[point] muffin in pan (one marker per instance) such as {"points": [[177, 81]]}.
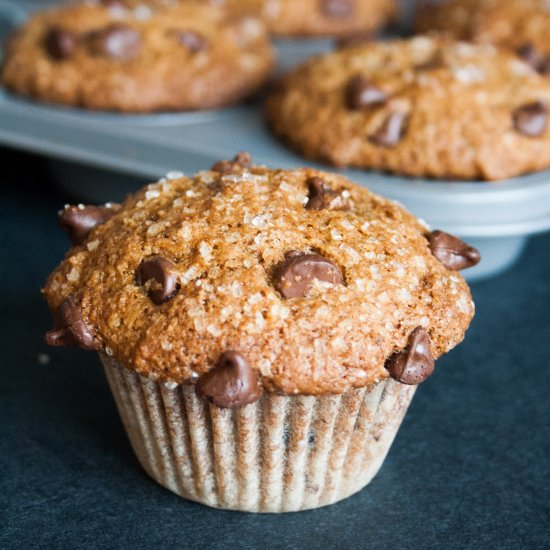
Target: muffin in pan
{"points": [[520, 25], [426, 106], [140, 58], [263, 331]]}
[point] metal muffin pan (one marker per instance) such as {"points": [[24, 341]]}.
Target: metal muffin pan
{"points": [[102, 156]]}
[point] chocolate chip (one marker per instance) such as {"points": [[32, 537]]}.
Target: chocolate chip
{"points": [[191, 40], [316, 192], [70, 329], [532, 57], [116, 41], [294, 277], [59, 43], [391, 131], [231, 383], [321, 196], [241, 160], [453, 253], [529, 54], [78, 221], [159, 275], [413, 365], [362, 93], [337, 9], [531, 119]]}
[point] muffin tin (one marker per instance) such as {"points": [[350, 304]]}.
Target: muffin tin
{"points": [[102, 156]]}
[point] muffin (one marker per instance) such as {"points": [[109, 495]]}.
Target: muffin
{"points": [[316, 17], [425, 106], [520, 25], [263, 331], [141, 58]]}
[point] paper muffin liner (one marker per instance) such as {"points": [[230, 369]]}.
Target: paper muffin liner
{"points": [[280, 454]]}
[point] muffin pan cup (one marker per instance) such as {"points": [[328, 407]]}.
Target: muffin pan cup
{"points": [[280, 454]]}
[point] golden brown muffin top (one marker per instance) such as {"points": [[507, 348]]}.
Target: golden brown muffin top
{"points": [[310, 282], [426, 106], [138, 57]]}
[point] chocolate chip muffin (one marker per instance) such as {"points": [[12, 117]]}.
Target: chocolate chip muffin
{"points": [[263, 331], [316, 17], [137, 58], [520, 25], [420, 107]]}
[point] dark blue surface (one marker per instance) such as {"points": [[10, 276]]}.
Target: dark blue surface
{"points": [[470, 467]]}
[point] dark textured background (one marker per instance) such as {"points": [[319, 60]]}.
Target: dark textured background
{"points": [[470, 467]]}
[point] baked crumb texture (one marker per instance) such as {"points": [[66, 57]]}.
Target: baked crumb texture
{"points": [[137, 57], [226, 292], [427, 106]]}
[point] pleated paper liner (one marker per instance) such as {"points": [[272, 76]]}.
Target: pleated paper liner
{"points": [[280, 454]]}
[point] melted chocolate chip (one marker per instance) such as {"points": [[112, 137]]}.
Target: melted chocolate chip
{"points": [[231, 383], [531, 119], [362, 93], [78, 221], [160, 276], [534, 58], [337, 9], [321, 196], [293, 279], [453, 253], [70, 329], [416, 363], [316, 192], [529, 54], [241, 160], [59, 43], [191, 40], [391, 131], [116, 41]]}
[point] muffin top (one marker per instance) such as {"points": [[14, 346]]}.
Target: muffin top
{"points": [[518, 24], [138, 57], [426, 106], [307, 281]]}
